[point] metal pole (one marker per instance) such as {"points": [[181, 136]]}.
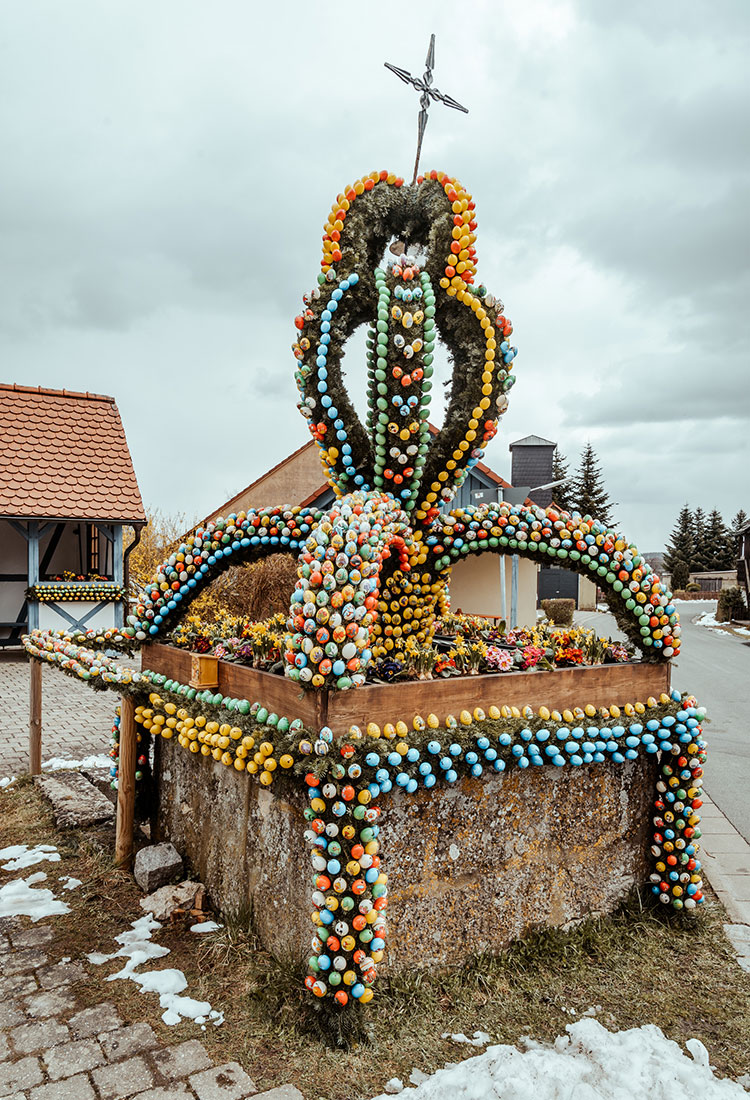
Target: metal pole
{"points": [[514, 593], [503, 602]]}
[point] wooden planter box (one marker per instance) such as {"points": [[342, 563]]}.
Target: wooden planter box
{"points": [[601, 685]]}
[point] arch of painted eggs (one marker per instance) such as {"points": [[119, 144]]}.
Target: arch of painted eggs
{"points": [[374, 569]]}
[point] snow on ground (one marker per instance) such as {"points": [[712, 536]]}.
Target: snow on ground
{"points": [[59, 763], [480, 1038], [17, 898], [588, 1063], [21, 856], [138, 948], [206, 926], [7, 781]]}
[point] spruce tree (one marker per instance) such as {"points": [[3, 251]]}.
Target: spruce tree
{"points": [[680, 577], [588, 495], [561, 494], [738, 522], [681, 545], [718, 545], [701, 555]]}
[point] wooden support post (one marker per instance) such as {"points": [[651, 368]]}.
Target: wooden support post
{"points": [[126, 784], [35, 717]]}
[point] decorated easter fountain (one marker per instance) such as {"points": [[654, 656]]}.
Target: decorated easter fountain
{"points": [[475, 807]]}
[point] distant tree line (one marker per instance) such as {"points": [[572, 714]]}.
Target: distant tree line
{"points": [[701, 543], [584, 492]]}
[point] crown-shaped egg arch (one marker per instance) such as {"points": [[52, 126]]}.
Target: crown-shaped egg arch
{"points": [[406, 305], [373, 570]]}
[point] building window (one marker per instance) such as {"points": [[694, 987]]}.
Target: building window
{"points": [[92, 549]]}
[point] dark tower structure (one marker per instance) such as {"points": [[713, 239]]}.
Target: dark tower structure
{"points": [[531, 464]]}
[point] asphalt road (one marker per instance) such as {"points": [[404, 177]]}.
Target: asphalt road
{"points": [[715, 667]]}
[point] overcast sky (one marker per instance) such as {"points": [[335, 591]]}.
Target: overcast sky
{"points": [[167, 167]]}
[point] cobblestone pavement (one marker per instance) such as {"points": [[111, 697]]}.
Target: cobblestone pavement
{"points": [[53, 1049], [76, 721]]}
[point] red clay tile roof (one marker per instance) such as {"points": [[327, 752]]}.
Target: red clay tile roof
{"points": [[63, 455]]}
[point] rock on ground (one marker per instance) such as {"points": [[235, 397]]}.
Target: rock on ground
{"points": [[157, 865]]}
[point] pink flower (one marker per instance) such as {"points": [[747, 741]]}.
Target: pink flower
{"points": [[500, 659]]}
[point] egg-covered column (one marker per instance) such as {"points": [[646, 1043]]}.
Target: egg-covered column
{"points": [[676, 878], [349, 888]]}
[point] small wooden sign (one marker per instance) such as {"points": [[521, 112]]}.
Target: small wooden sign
{"points": [[204, 671]]}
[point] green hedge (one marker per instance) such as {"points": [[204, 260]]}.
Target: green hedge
{"points": [[559, 612]]}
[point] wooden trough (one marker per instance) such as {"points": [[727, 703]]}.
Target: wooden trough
{"points": [[599, 685]]}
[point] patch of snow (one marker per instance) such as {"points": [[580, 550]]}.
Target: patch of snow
{"points": [[21, 856], [737, 630], [70, 883], [18, 899], [206, 926], [137, 948], [394, 1086], [480, 1039], [59, 763], [7, 781], [588, 1063], [454, 852], [707, 619]]}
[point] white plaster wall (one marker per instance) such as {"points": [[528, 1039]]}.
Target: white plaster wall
{"points": [[475, 587], [586, 594], [102, 620]]}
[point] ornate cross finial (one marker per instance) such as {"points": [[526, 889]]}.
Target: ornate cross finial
{"points": [[424, 84]]}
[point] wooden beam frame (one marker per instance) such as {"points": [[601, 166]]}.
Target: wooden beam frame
{"points": [[35, 717], [126, 783]]}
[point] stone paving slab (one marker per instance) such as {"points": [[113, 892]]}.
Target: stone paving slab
{"points": [[74, 800], [76, 721], [52, 1048]]}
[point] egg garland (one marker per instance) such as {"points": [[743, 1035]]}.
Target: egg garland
{"points": [[373, 575], [64, 592]]}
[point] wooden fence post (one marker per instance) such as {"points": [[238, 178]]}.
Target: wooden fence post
{"points": [[35, 717], [126, 783]]}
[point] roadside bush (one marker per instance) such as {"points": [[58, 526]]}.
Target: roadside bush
{"points": [[559, 612], [731, 605], [692, 587]]}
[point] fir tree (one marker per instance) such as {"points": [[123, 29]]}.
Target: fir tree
{"points": [[561, 494], [681, 545], [701, 555], [587, 492], [717, 542], [681, 576], [738, 522]]}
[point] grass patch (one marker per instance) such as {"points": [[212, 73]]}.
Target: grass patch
{"points": [[639, 965]]}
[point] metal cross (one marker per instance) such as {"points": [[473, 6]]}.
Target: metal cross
{"points": [[424, 85]]}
